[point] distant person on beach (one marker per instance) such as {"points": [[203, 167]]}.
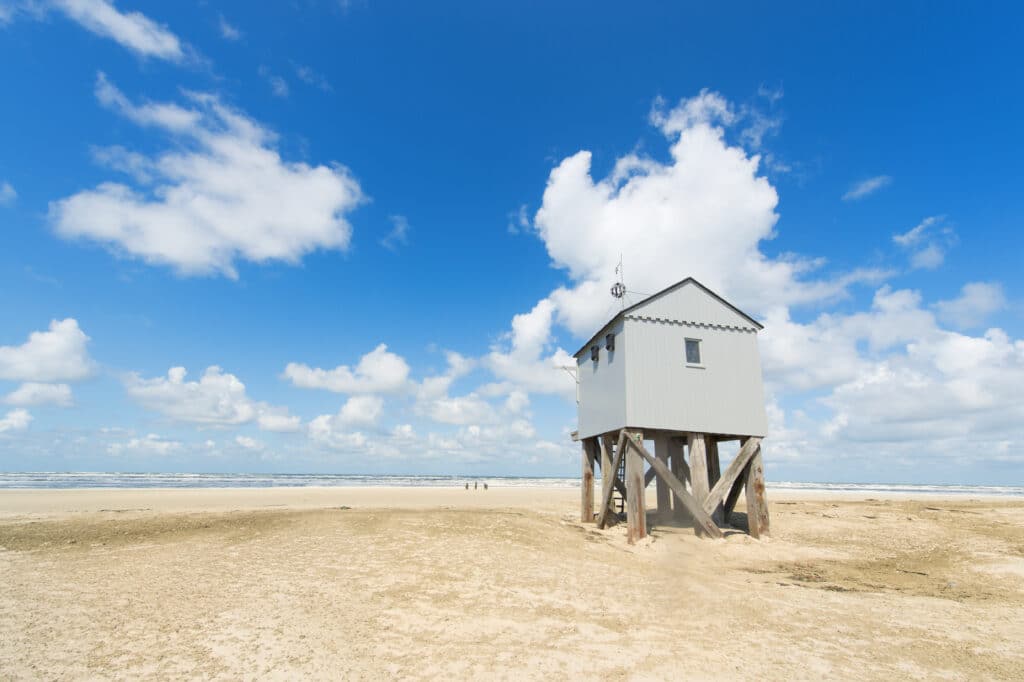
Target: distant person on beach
{"points": [[467, 485], [485, 486], [475, 484]]}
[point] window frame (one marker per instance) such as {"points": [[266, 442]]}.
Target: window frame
{"points": [[700, 353]]}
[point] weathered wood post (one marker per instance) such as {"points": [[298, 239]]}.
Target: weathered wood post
{"points": [[757, 500], [587, 482], [608, 474], [636, 508], [661, 451], [698, 466], [680, 470], [714, 473]]}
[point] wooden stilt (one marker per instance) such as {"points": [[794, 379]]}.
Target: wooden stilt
{"points": [[757, 500], [664, 494], [636, 509], [680, 470], [607, 473], [698, 467], [587, 481], [742, 459], [714, 473]]}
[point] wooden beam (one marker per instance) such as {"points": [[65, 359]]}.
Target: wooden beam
{"points": [[607, 472], [664, 494], [587, 481], [714, 473], [602, 517], [636, 509], [757, 501], [680, 470], [750, 446], [701, 519], [734, 494], [698, 467]]}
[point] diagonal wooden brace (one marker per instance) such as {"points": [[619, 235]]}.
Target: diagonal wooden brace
{"points": [[700, 517], [606, 500], [737, 466]]}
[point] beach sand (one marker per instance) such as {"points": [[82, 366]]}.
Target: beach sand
{"points": [[505, 583]]}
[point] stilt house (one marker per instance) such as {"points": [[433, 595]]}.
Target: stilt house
{"points": [[680, 369]]}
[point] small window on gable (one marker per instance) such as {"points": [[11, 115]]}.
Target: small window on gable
{"points": [[595, 353], [609, 342], [693, 352]]}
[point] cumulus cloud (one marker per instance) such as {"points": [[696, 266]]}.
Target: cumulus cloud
{"points": [[863, 188], [702, 213], [132, 30], [249, 443], [361, 410], [7, 194], [222, 193], [151, 444], [15, 420], [56, 355], [976, 302], [379, 371], [34, 393], [217, 399]]}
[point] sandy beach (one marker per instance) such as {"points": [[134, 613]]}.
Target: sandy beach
{"points": [[365, 583]]}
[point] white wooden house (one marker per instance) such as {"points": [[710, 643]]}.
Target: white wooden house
{"points": [[680, 368]]}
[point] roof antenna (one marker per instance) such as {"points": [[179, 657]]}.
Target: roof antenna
{"points": [[619, 288]]}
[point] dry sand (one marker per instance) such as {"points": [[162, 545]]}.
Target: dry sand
{"points": [[505, 583]]}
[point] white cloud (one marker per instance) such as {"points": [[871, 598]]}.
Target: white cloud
{"points": [[217, 399], [519, 220], [15, 420], [58, 354], [228, 30], [221, 193], [976, 302], [7, 194], [379, 371], [399, 234], [35, 393], [311, 77], [249, 443], [863, 188], [132, 30], [702, 213], [151, 444], [278, 85], [361, 410], [927, 242]]}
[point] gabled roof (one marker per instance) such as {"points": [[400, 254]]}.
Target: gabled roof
{"points": [[667, 290]]}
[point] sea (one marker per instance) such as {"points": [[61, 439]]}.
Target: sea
{"points": [[85, 479]]}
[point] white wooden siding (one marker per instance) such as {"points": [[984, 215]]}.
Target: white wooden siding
{"points": [[602, 386]]}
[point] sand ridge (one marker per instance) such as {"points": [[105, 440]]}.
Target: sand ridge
{"points": [[365, 586]]}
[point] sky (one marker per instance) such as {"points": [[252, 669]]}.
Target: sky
{"points": [[362, 237]]}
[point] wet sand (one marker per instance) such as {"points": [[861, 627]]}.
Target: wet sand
{"points": [[505, 583]]}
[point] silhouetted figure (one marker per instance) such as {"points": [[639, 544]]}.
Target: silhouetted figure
{"points": [[467, 485], [475, 484], [485, 486]]}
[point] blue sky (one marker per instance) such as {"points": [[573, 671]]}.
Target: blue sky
{"points": [[276, 190]]}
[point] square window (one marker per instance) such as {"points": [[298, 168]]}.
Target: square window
{"points": [[693, 351], [595, 352], [609, 342]]}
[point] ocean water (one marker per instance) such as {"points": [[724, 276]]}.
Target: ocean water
{"points": [[82, 479]]}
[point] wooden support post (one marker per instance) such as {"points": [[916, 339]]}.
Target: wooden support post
{"points": [[698, 467], [664, 494], [702, 522], [587, 481], [636, 509], [714, 473], [607, 473], [680, 470], [736, 467], [757, 501], [606, 502]]}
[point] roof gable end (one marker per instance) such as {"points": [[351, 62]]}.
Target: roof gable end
{"points": [[691, 302]]}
